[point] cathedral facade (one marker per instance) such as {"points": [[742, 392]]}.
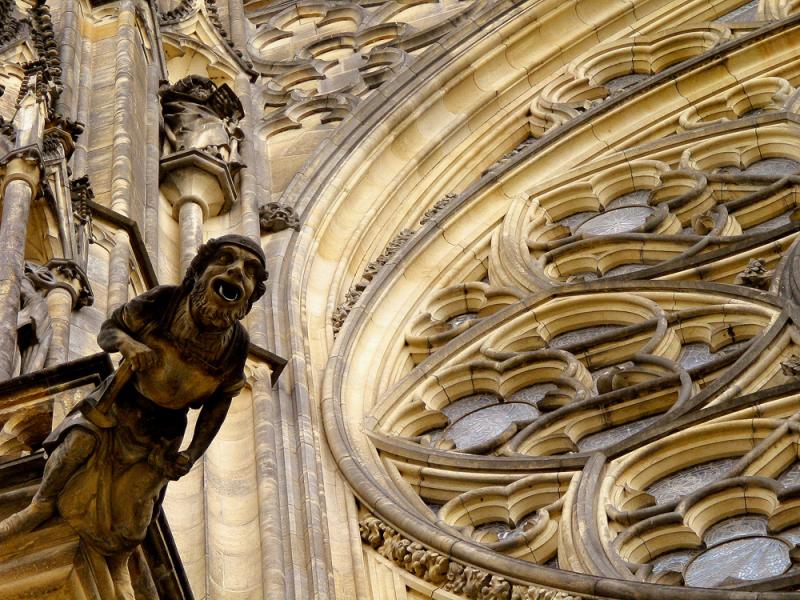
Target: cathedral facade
{"points": [[529, 325]]}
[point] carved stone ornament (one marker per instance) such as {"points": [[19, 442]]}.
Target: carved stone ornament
{"points": [[443, 571], [183, 347], [199, 115], [34, 327], [8, 135], [9, 25], [438, 207], [791, 366], [755, 275], [274, 217], [371, 270]]}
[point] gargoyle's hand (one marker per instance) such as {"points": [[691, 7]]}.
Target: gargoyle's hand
{"points": [[170, 464], [142, 357]]}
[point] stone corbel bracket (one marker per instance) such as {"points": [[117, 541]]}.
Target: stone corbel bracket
{"points": [[264, 365], [59, 140], [197, 176], [22, 164]]}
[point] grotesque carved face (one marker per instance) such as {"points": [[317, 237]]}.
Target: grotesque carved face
{"points": [[221, 295]]}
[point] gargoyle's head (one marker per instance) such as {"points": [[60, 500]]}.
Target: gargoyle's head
{"points": [[224, 280]]}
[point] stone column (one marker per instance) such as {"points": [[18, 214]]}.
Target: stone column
{"points": [[121, 169], [70, 58], [119, 273], [266, 423], [190, 222], [59, 306], [190, 533], [21, 184], [256, 320]]}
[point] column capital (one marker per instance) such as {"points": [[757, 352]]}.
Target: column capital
{"points": [[23, 164], [64, 275], [192, 174]]}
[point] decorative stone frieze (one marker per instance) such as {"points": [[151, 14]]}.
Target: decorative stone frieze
{"points": [[370, 271], [451, 575], [438, 207]]}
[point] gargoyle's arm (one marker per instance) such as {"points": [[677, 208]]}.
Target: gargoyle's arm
{"points": [[208, 423], [113, 338]]}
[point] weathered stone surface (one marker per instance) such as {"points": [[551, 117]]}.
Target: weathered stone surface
{"points": [[111, 458]]}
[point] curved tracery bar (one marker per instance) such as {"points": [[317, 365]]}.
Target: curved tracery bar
{"points": [[594, 363]]}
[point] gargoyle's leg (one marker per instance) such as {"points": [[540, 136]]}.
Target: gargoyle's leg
{"points": [[62, 463], [118, 567]]}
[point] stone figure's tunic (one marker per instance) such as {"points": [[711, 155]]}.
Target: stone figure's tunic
{"points": [[111, 499]]}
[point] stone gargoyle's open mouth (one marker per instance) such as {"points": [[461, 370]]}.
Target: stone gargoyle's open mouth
{"points": [[228, 291]]}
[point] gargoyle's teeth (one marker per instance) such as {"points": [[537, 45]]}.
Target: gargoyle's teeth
{"points": [[228, 292]]}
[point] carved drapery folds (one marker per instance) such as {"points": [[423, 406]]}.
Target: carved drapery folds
{"points": [[33, 325], [200, 115]]}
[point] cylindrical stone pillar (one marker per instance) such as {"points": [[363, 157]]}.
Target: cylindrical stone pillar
{"points": [[119, 272], [59, 306], [17, 198], [189, 527], [70, 58], [190, 221], [256, 320], [266, 423]]}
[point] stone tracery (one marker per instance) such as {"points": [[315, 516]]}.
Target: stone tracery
{"points": [[634, 301]]}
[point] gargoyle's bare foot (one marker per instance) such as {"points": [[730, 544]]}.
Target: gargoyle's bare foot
{"points": [[36, 513]]}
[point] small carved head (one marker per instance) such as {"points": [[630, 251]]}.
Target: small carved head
{"points": [[224, 280]]}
